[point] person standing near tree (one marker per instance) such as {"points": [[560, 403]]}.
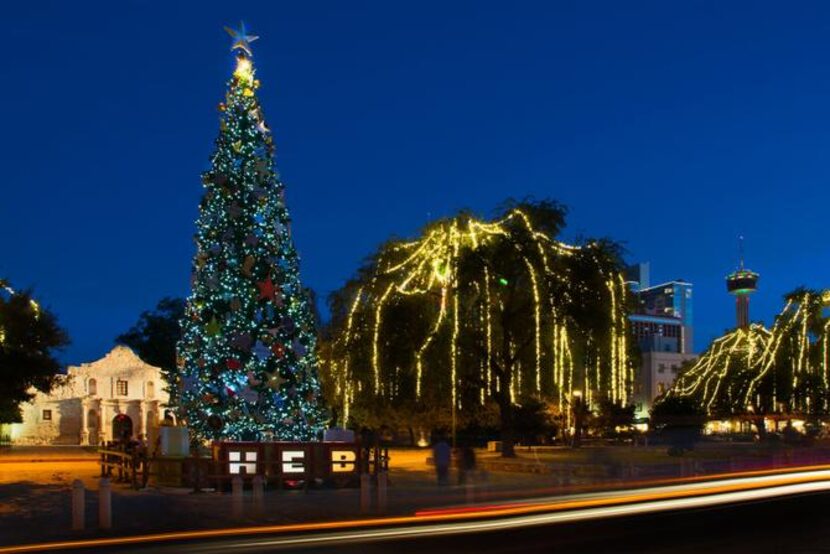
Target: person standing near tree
{"points": [[441, 455], [466, 464]]}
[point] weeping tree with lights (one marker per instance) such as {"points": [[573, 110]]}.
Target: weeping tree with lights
{"points": [[754, 371], [247, 355], [473, 318]]}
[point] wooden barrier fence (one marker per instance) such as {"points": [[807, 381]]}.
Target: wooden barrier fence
{"points": [[125, 464]]}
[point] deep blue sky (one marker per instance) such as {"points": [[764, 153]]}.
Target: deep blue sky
{"points": [[671, 126]]}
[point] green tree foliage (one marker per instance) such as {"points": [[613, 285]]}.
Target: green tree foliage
{"points": [[679, 421], [154, 338], [29, 338], [535, 423], [611, 416], [502, 306]]}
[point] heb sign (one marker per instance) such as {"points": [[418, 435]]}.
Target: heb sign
{"points": [[288, 460]]}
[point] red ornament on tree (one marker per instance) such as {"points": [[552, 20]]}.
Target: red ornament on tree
{"points": [[278, 349], [267, 289]]}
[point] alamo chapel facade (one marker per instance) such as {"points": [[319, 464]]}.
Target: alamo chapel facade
{"points": [[119, 395]]}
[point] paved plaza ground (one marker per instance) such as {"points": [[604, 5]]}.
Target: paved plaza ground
{"points": [[35, 487]]}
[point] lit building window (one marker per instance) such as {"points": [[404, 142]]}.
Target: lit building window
{"points": [[121, 388]]}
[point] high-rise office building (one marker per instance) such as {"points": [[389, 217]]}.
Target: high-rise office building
{"points": [[662, 325]]}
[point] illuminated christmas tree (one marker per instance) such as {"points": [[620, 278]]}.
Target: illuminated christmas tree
{"points": [[247, 354]]}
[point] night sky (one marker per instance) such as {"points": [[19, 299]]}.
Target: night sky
{"points": [[670, 126]]}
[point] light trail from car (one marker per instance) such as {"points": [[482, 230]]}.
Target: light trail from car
{"points": [[685, 494]]}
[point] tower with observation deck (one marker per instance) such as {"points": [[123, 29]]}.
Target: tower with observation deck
{"points": [[741, 284]]}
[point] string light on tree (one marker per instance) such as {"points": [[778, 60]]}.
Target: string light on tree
{"points": [[457, 333], [764, 369], [248, 351], [5, 287]]}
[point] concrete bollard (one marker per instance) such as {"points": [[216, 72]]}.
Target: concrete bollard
{"points": [[78, 505], [383, 481], [196, 473], [236, 495], [365, 492], [258, 486], [105, 504]]}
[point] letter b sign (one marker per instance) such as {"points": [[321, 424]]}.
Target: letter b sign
{"points": [[343, 461]]}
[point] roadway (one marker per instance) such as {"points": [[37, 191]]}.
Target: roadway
{"points": [[767, 511], [790, 525]]}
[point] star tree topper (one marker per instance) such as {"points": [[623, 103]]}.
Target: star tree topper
{"points": [[241, 39]]}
